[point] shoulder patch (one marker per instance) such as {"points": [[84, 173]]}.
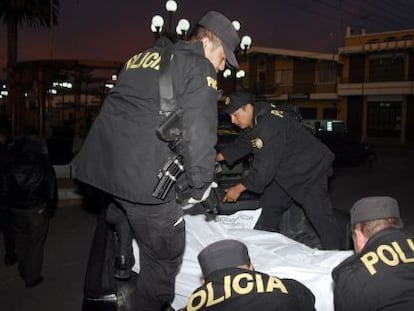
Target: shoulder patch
{"points": [[257, 143], [277, 113]]}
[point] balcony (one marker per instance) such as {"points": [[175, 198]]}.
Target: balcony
{"points": [[376, 88]]}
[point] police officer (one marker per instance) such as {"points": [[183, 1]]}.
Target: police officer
{"points": [[380, 275], [31, 196], [122, 154], [289, 165], [231, 283]]}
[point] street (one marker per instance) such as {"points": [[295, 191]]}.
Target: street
{"points": [[71, 232]]}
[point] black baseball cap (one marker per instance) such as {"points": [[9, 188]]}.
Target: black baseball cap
{"points": [[223, 254], [236, 100], [372, 208], [222, 27]]}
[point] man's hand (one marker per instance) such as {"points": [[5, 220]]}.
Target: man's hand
{"points": [[233, 193], [219, 157], [191, 201]]}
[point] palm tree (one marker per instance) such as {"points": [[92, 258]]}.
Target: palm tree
{"points": [[14, 13], [31, 13]]}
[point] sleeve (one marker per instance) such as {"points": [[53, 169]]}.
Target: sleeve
{"points": [[306, 297], [238, 149], [199, 126], [348, 296], [266, 159]]}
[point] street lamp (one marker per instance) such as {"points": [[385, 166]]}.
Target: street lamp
{"points": [[245, 44], [157, 23], [171, 7], [183, 27]]}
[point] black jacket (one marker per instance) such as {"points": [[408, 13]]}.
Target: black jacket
{"points": [[30, 182], [381, 277], [283, 151], [122, 154], [235, 289]]}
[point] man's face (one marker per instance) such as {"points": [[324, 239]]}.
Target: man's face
{"points": [[243, 116], [215, 54]]}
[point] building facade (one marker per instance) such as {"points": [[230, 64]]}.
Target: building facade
{"points": [[377, 82], [307, 80]]}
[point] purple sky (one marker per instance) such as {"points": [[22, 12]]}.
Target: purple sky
{"points": [[113, 30]]}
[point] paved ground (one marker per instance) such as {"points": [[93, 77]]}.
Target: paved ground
{"points": [[71, 231]]}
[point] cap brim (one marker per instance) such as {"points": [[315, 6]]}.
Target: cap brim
{"points": [[231, 58]]}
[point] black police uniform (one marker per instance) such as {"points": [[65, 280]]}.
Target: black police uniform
{"points": [[289, 163], [5, 160], [122, 155], [381, 277], [244, 290], [31, 196]]}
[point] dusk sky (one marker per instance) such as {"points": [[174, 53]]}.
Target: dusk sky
{"points": [[114, 30]]}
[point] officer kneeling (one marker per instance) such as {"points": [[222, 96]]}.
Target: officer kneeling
{"points": [[380, 276], [231, 283]]}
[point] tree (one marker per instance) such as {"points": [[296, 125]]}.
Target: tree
{"points": [[29, 13]]}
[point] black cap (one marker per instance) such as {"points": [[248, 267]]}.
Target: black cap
{"points": [[372, 208], [223, 254], [236, 100], [222, 27]]}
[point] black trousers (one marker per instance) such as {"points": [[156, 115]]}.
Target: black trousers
{"points": [[116, 216], [5, 229], [316, 205], [159, 231], [29, 229]]}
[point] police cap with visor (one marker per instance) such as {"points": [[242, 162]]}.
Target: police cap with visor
{"points": [[222, 27], [223, 254], [236, 100], [372, 208]]}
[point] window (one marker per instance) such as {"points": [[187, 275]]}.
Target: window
{"points": [[284, 77], [386, 67], [384, 119], [326, 73]]}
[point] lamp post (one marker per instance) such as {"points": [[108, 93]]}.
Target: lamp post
{"points": [[171, 7], [157, 23], [245, 44]]}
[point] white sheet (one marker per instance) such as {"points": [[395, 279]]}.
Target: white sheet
{"points": [[270, 252]]}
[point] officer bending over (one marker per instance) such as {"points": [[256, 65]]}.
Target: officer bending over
{"points": [[289, 165], [380, 276], [231, 283]]}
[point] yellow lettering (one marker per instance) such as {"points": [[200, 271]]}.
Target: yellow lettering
{"points": [[210, 296], [211, 82], [382, 250], [369, 260], [259, 283], [401, 254], [238, 288], [411, 244], [275, 283], [131, 62], [150, 59], [202, 295], [227, 286], [156, 64]]}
